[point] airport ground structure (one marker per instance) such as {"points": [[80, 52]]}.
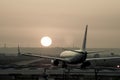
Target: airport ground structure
{"points": [[59, 74]]}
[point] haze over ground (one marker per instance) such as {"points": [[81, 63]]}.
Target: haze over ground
{"points": [[24, 22]]}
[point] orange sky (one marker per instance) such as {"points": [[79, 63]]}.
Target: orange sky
{"points": [[26, 21]]}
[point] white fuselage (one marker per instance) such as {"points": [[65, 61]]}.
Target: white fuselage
{"points": [[73, 57], [68, 54]]}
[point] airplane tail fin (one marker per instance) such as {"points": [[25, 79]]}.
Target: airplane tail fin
{"points": [[19, 53], [83, 49], [84, 40]]}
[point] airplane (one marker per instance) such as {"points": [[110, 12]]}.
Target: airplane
{"points": [[74, 56]]}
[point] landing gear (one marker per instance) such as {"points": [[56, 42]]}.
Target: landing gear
{"points": [[85, 64], [64, 65]]}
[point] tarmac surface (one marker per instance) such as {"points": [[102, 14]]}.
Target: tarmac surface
{"points": [[59, 73]]}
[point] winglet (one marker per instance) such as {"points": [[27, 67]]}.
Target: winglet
{"points": [[84, 40], [19, 53]]}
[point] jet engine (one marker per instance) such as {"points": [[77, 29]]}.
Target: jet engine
{"points": [[55, 62]]}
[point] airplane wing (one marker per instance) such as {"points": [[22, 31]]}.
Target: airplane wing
{"points": [[90, 52], [47, 57], [104, 58], [26, 62]]}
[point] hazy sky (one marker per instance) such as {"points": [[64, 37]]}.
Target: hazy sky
{"points": [[26, 21]]}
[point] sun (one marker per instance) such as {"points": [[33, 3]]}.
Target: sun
{"points": [[46, 41]]}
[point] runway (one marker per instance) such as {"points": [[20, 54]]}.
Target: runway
{"points": [[59, 74]]}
